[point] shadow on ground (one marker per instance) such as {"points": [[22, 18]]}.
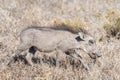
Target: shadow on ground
{"points": [[50, 61]]}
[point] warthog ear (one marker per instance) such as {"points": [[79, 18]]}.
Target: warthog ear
{"points": [[81, 35]]}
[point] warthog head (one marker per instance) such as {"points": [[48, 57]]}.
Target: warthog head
{"points": [[89, 45], [87, 38]]}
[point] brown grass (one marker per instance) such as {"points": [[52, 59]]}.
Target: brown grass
{"points": [[112, 27], [73, 24], [15, 15]]}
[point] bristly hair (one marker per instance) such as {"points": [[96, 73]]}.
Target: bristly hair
{"points": [[59, 27], [69, 28]]}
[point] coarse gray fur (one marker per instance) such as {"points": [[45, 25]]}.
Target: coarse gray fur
{"points": [[46, 39]]}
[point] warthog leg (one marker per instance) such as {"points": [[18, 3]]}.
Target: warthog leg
{"points": [[29, 55], [74, 54], [60, 56], [92, 53], [22, 47]]}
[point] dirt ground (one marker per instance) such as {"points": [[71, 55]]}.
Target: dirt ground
{"points": [[15, 15]]}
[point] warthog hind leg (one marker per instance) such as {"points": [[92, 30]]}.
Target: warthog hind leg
{"points": [[29, 55], [22, 47]]}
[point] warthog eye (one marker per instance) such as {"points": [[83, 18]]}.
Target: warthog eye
{"points": [[79, 39]]}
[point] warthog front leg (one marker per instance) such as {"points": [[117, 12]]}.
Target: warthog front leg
{"points": [[22, 47], [92, 53], [60, 57], [74, 54]]}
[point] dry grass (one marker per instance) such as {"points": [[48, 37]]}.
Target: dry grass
{"points": [[16, 15], [73, 24], [112, 26]]}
